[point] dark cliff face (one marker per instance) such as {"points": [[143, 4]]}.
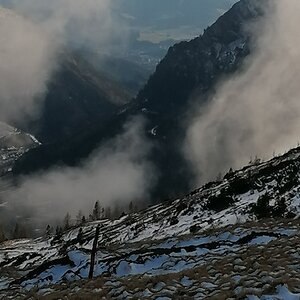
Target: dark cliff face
{"points": [[199, 63], [189, 68], [78, 98], [190, 71]]}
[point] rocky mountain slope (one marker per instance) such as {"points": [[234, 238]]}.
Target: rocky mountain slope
{"points": [[233, 239], [78, 98], [13, 144], [197, 64], [190, 68]]}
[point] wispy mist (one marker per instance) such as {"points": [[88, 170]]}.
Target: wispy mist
{"points": [[80, 22], [32, 34], [256, 111], [27, 59], [117, 173]]}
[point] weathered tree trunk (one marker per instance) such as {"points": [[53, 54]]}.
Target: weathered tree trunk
{"points": [[94, 252]]}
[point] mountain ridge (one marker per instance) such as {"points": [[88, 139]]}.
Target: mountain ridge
{"points": [[77, 99], [165, 100], [249, 217]]}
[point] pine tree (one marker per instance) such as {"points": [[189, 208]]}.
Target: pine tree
{"points": [[96, 211], [58, 231], [108, 213], [58, 234], [116, 212], [262, 208], [80, 236], [49, 231], [67, 222], [130, 207], [2, 235], [219, 177], [135, 208], [79, 218]]}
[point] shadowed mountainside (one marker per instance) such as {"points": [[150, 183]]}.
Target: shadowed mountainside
{"points": [[189, 69]]}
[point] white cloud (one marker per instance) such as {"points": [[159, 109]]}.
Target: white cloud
{"points": [[27, 59], [117, 173], [256, 111]]}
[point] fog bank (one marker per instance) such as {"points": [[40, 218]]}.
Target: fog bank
{"points": [[255, 112], [117, 173]]}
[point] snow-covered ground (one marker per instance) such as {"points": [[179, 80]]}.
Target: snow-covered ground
{"points": [[207, 245], [240, 260], [282, 292], [13, 144]]}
